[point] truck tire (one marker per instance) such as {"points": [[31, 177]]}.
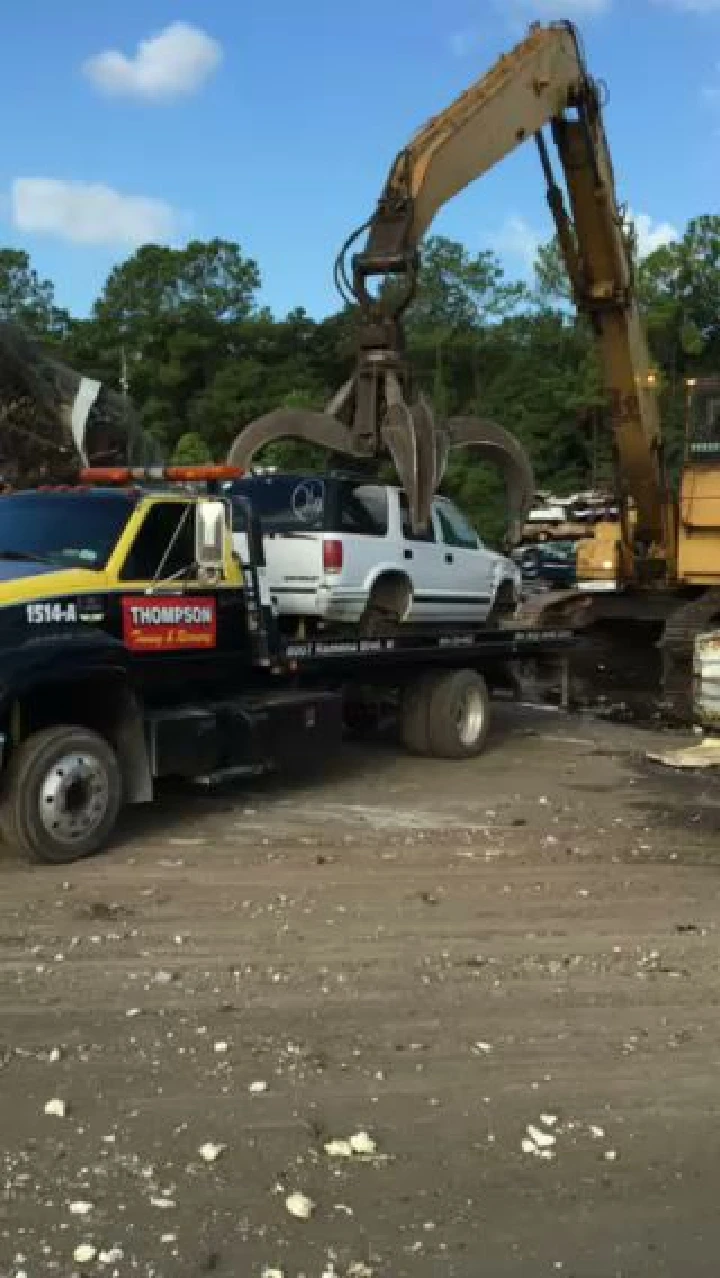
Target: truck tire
{"points": [[415, 713], [62, 794], [458, 718]]}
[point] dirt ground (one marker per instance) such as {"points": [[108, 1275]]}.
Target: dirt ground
{"points": [[504, 972]]}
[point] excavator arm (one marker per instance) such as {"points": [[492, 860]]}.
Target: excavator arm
{"points": [[527, 88], [543, 81]]}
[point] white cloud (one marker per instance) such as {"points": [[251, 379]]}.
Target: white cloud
{"points": [[175, 62], [652, 235], [519, 240], [88, 213]]}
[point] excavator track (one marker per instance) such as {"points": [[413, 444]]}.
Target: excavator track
{"points": [[677, 643]]}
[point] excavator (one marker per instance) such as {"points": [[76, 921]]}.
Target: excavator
{"points": [[659, 564]]}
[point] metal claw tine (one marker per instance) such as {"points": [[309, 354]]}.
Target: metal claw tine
{"points": [[399, 437], [498, 446], [291, 423]]}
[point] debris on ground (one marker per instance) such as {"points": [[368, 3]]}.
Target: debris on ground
{"points": [[210, 1151], [84, 1254], [80, 1208], [56, 1108], [706, 754], [300, 1206]]}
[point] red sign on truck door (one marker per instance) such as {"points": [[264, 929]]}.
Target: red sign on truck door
{"points": [[169, 623]]}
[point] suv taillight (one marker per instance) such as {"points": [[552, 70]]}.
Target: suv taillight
{"points": [[332, 555]]}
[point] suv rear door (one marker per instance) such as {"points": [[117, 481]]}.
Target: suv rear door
{"points": [[422, 558], [468, 565]]}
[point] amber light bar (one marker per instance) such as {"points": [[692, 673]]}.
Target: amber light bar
{"points": [[174, 474]]}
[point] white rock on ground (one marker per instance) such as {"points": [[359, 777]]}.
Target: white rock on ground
{"points": [[300, 1206], [542, 1139], [362, 1143], [112, 1256], [84, 1254], [80, 1208], [56, 1108], [339, 1149], [211, 1151]]}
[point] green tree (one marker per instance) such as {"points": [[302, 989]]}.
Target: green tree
{"points": [[552, 283], [26, 298], [191, 449], [457, 290], [172, 318], [212, 278]]}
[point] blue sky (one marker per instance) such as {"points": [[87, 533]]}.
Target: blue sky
{"points": [[276, 127]]}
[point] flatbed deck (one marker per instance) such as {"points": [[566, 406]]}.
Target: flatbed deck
{"points": [[473, 648]]}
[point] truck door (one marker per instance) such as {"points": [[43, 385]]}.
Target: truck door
{"points": [[164, 606]]}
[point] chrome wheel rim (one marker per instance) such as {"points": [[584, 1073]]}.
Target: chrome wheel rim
{"points": [[73, 798], [470, 716]]}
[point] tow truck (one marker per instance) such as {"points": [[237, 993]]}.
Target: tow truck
{"points": [[134, 646]]}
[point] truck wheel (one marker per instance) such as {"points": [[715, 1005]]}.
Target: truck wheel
{"points": [[62, 795], [415, 713], [458, 715]]}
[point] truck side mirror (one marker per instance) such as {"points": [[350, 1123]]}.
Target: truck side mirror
{"points": [[210, 526]]}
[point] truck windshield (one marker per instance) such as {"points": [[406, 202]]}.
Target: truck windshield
{"points": [[67, 530]]}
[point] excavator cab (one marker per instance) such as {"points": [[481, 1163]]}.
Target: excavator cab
{"points": [[699, 531], [702, 419]]}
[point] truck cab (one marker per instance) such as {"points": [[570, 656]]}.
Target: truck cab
{"points": [[132, 646], [152, 570]]}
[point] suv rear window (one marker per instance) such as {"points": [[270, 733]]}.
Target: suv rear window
{"points": [[284, 503], [311, 503], [363, 509]]}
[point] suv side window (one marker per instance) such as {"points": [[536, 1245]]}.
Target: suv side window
{"points": [[363, 509], [456, 531], [152, 541], [428, 534]]}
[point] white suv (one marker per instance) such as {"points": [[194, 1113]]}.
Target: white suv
{"points": [[341, 549]]}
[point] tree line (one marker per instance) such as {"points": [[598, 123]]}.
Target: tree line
{"points": [[183, 331]]}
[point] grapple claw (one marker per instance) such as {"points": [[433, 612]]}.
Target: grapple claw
{"points": [[291, 423], [496, 445], [419, 449], [376, 419]]}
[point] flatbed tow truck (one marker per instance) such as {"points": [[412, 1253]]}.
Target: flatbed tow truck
{"points": [[134, 646]]}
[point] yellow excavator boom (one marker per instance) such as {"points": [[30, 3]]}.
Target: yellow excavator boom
{"points": [[526, 88]]}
